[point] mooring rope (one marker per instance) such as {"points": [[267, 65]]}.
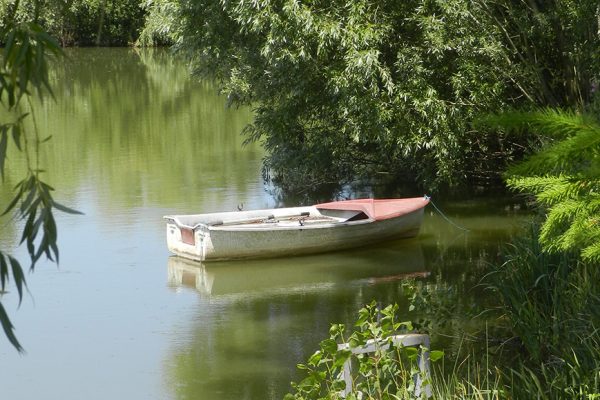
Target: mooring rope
{"points": [[444, 215]]}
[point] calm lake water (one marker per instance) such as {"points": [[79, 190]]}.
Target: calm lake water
{"points": [[134, 138]]}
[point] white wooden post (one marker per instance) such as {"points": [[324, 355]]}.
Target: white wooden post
{"points": [[408, 340]]}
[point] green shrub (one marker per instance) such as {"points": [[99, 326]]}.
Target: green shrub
{"points": [[564, 177], [390, 372]]}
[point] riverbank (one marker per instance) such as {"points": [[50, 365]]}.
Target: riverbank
{"points": [[535, 337]]}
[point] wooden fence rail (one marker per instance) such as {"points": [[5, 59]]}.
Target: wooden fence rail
{"points": [[420, 341]]}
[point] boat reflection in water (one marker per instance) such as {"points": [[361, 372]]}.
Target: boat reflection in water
{"points": [[397, 260]]}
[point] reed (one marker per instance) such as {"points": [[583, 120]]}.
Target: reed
{"points": [[550, 306], [549, 302], [545, 324]]}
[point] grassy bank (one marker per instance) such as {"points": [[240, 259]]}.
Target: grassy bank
{"points": [[537, 339], [549, 307], [543, 340]]}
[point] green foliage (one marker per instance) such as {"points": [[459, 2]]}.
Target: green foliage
{"points": [[347, 88], [24, 69], [361, 88], [553, 45], [550, 303], [387, 373], [160, 26], [550, 300], [104, 22], [79, 22], [541, 328], [564, 176]]}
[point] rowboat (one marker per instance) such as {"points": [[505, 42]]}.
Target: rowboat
{"points": [[289, 231]]}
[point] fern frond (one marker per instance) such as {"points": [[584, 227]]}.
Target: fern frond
{"points": [[568, 156], [565, 189], [561, 123], [577, 234], [536, 184], [549, 122], [550, 190], [557, 221], [572, 224], [592, 252]]}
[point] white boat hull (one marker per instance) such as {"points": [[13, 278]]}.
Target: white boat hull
{"points": [[204, 238]]}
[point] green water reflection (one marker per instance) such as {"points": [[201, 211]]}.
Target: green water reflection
{"points": [[134, 138], [134, 125]]}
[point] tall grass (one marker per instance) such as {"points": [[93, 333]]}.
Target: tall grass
{"points": [[471, 378], [550, 303], [549, 309], [568, 379], [478, 376], [548, 313]]}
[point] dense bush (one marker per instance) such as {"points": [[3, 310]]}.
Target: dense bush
{"points": [[564, 176], [80, 22]]}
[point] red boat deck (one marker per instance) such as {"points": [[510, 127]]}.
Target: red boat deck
{"points": [[378, 209]]}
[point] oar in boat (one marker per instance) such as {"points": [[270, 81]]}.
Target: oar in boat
{"points": [[258, 219]]}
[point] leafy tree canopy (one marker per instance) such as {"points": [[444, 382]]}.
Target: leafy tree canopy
{"points": [[360, 88]]}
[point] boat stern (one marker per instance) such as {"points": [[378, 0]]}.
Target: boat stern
{"points": [[187, 241]]}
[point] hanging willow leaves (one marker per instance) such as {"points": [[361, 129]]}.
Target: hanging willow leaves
{"points": [[361, 88], [8, 328], [24, 72]]}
